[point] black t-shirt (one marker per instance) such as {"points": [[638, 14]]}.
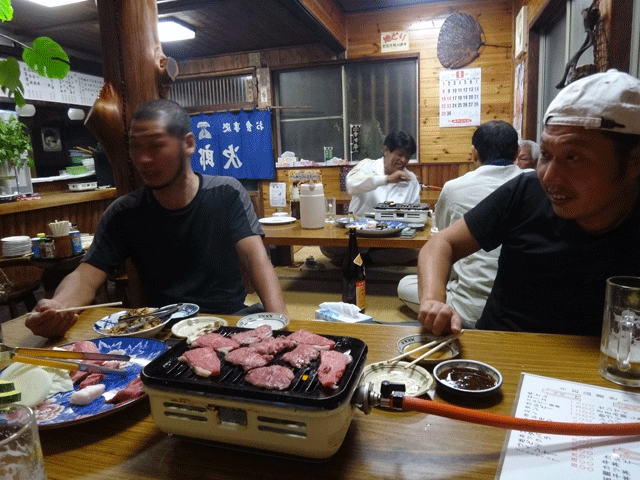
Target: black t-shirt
{"points": [[185, 255], [551, 274]]}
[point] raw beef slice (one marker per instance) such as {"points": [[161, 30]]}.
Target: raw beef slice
{"points": [[308, 338], [332, 366], [216, 341], [274, 377], [203, 360], [253, 336], [302, 355]]}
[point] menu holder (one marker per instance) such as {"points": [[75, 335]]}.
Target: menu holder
{"points": [[529, 456]]}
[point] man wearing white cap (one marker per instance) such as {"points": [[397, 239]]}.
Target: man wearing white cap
{"points": [[564, 229]]}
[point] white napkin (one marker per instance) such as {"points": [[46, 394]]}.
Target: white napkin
{"points": [[346, 309]]}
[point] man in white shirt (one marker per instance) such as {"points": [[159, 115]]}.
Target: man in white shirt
{"points": [[386, 179], [494, 149]]}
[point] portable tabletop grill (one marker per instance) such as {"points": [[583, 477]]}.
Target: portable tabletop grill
{"points": [[306, 420], [404, 212]]}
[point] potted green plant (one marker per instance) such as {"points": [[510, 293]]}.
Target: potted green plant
{"points": [[15, 145]]}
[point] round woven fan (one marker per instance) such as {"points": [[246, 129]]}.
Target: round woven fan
{"points": [[459, 40]]}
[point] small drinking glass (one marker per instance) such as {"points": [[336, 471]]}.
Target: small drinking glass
{"points": [[20, 450], [329, 209]]}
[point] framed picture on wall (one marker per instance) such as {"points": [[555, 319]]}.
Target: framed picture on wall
{"points": [[51, 140]]}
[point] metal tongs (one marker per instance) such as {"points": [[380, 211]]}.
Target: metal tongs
{"points": [[49, 358], [149, 317]]}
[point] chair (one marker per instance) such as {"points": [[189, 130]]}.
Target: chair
{"points": [[14, 292], [20, 293]]}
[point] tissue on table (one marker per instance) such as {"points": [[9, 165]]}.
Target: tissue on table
{"points": [[340, 312]]}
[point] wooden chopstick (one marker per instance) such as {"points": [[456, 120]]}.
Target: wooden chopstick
{"points": [[421, 347], [435, 349], [85, 307]]}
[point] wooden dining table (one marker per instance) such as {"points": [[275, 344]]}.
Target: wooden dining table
{"points": [[334, 235], [128, 445]]}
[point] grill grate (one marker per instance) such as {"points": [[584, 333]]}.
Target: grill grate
{"points": [[168, 373]]}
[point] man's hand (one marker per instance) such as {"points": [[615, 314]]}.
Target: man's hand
{"points": [[398, 176], [439, 318], [47, 322]]}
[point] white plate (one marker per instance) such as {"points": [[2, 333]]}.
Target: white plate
{"points": [[109, 321], [276, 220], [191, 326], [276, 321], [411, 342], [415, 378]]}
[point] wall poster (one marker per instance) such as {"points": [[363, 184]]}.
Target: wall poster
{"points": [[460, 97]]}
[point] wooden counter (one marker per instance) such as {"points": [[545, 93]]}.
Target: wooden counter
{"points": [[30, 217], [56, 199]]}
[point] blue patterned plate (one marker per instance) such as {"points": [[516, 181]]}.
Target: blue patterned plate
{"points": [[103, 325], [55, 411]]}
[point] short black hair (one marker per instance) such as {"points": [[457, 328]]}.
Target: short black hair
{"points": [[624, 145], [400, 141], [175, 116], [495, 140]]}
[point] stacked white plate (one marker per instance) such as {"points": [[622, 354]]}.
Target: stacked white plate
{"points": [[16, 246]]}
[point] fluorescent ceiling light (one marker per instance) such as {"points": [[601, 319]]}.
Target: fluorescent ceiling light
{"points": [[55, 3], [171, 31]]}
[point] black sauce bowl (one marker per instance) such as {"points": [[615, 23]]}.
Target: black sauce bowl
{"points": [[479, 379]]}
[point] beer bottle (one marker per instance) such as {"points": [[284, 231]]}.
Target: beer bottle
{"points": [[353, 279]]}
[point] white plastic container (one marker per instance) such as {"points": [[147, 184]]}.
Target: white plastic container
{"points": [[312, 205]]}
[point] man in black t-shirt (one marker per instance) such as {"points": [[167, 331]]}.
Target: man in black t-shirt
{"points": [[189, 235], [563, 231]]}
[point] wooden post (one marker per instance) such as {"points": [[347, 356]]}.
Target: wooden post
{"points": [[135, 72]]}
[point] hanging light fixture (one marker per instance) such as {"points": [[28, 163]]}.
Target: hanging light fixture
{"points": [[55, 3]]}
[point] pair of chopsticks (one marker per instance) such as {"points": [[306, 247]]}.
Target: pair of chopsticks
{"points": [[85, 307], [51, 358], [436, 345]]}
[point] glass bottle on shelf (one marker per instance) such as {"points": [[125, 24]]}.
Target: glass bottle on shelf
{"points": [[353, 275]]}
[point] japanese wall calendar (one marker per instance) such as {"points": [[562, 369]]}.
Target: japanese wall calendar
{"points": [[534, 455], [460, 97]]}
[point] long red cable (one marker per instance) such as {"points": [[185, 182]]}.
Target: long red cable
{"points": [[413, 404]]}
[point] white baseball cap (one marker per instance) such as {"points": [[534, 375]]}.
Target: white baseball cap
{"points": [[604, 101]]}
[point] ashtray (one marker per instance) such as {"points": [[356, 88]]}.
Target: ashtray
{"points": [[467, 378]]}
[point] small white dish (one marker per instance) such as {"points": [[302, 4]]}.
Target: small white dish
{"points": [[197, 325], [411, 342], [276, 321], [416, 379], [276, 220]]}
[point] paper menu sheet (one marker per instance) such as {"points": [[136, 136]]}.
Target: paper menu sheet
{"points": [[540, 456]]}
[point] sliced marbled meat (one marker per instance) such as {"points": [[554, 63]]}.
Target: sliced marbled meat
{"points": [[273, 345], [273, 377], [247, 358], [253, 336], [92, 379], [134, 389], [308, 338], [301, 355], [203, 360], [216, 341], [332, 366], [85, 346]]}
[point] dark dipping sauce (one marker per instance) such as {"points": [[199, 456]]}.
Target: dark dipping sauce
{"points": [[467, 378]]}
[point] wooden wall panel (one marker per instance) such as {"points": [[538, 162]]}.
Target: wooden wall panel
{"points": [[496, 19]]}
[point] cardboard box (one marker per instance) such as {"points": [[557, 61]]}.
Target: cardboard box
{"points": [[331, 316]]}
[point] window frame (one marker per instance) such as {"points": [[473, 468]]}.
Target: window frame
{"points": [[340, 63]]}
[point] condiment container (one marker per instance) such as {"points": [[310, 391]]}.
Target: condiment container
{"points": [[312, 211], [76, 242]]}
